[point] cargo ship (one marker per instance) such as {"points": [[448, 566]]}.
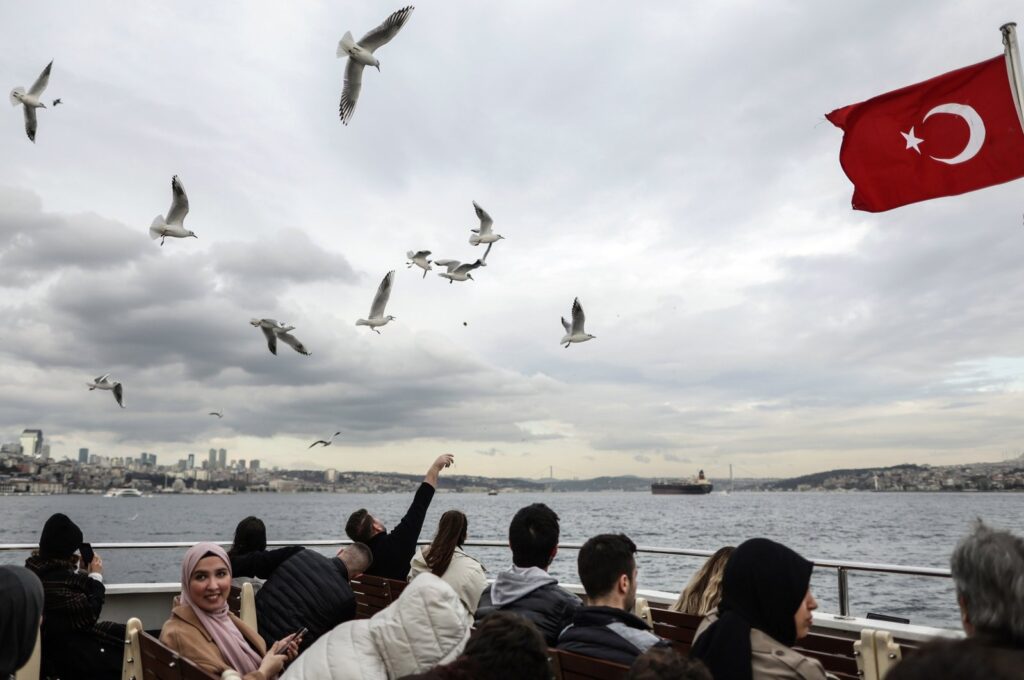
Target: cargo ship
{"points": [[695, 487]]}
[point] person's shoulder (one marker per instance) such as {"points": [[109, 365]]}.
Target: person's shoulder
{"points": [[768, 652]]}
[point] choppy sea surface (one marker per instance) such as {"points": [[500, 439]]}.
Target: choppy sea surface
{"points": [[915, 529]]}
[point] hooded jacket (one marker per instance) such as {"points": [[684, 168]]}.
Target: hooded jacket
{"points": [[608, 633], [534, 594], [426, 626], [464, 574]]}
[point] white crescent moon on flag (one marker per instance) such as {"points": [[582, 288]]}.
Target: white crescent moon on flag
{"points": [[975, 125]]}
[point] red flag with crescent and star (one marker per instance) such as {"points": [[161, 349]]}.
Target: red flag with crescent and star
{"points": [[949, 135]]}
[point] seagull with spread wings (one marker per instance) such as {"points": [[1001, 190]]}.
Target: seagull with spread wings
{"points": [[219, 414], [273, 331], [31, 101], [173, 226], [380, 301], [574, 332], [105, 383], [419, 258], [458, 271], [485, 234], [360, 55], [325, 442]]}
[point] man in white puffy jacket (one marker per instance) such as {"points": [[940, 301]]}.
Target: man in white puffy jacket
{"points": [[426, 626]]}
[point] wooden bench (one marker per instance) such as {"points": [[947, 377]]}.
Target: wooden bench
{"points": [[569, 666], [835, 652], [374, 593], [676, 627], [146, 658]]}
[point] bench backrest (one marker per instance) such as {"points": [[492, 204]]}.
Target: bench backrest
{"points": [[160, 663], [676, 627], [570, 666], [374, 593]]}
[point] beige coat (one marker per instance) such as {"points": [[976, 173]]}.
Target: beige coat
{"points": [[772, 660], [184, 633], [465, 575]]}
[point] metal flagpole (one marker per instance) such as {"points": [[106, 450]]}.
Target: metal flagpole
{"points": [[1013, 67]]}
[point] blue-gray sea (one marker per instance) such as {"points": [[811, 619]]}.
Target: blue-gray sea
{"points": [[917, 529]]}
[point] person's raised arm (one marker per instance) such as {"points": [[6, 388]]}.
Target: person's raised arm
{"points": [[443, 461]]}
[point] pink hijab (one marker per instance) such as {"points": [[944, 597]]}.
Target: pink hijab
{"points": [[229, 640]]}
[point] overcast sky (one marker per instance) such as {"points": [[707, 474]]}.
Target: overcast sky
{"points": [[668, 163]]}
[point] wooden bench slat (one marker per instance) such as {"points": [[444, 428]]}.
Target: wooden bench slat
{"points": [[579, 667]]}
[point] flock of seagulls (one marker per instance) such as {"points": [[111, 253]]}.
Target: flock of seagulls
{"points": [[359, 55]]}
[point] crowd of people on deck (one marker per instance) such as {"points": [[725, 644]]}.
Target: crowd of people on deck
{"points": [[452, 622]]}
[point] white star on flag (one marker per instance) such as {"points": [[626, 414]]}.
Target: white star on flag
{"points": [[912, 141]]}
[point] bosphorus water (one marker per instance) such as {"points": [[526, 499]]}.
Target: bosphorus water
{"points": [[915, 529]]}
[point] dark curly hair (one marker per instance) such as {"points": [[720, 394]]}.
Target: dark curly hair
{"points": [[506, 646]]}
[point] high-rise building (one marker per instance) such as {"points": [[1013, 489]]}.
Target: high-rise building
{"points": [[44, 452], [191, 461], [222, 459], [31, 442], [330, 475], [213, 460], [254, 464], [83, 456], [241, 465]]}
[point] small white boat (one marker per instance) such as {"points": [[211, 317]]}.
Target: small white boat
{"points": [[120, 493]]}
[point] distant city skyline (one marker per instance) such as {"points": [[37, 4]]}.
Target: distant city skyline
{"points": [[686, 189]]}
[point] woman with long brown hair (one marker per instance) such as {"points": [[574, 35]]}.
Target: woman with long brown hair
{"points": [[445, 558], [702, 593]]}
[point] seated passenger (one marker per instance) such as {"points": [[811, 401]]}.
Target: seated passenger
{"points": [[312, 591], [766, 606], [988, 570], [606, 628], [202, 629], [526, 588], [504, 647], [702, 593], [664, 663], [427, 625], [75, 642], [970, 659], [444, 557], [21, 606], [393, 551], [251, 562]]}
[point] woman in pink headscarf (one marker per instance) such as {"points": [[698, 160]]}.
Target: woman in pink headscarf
{"points": [[202, 629]]}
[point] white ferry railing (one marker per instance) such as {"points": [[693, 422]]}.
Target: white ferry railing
{"points": [[842, 567]]}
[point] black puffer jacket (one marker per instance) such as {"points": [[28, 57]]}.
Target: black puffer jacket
{"points": [[307, 590], [261, 563], [533, 594], [608, 633]]}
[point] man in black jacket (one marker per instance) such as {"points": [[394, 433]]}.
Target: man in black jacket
{"points": [[606, 628], [393, 551], [527, 589], [310, 590]]}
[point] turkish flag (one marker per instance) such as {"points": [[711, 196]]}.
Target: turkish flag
{"points": [[949, 135]]}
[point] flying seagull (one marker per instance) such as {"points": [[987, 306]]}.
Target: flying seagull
{"points": [[324, 442], [380, 301], [574, 332], [30, 100], [287, 338], [274, 331], [458, 271], [484, 234], [57, 102], [105, 383], [419, 258], [360, 54], [173, 225], [219, 414]]}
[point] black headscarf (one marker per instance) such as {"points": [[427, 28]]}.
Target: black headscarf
{"points": [[21, 605], [762, 587]]}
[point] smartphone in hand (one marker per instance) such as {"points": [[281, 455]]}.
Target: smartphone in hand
{"points": [[299, 633], [85, 550]]}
